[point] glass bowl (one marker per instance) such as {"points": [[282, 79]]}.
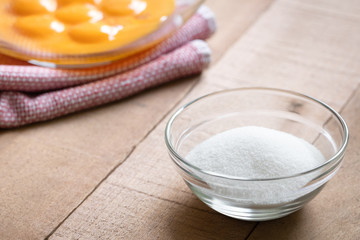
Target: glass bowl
{"points": [[290, 112], [184, 9]]}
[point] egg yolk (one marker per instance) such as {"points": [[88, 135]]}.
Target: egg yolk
{"points": [[79, 26]]}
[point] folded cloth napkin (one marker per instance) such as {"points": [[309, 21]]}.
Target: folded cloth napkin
{"points": [[31, 94]]}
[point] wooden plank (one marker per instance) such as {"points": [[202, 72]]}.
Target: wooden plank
{"points": [[146, 199], [269, 54], [297, 45], [48, 168], [233, 18]]}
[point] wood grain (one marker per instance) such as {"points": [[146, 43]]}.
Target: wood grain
{"points": [[48, 169], [297, 45], [146, 199], [233, 18]]}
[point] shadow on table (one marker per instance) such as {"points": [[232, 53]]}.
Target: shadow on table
{"points": [[285, 228], [197, 221]]}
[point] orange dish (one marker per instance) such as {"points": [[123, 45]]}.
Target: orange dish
{"points": [[77, 27]]}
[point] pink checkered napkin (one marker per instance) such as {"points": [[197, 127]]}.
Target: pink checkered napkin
{"points": [[16, 75], [77, 90]]}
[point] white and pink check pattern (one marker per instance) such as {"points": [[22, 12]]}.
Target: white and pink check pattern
{"points": [[30, 93]]}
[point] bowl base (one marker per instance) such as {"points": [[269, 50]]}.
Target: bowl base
{"points": [[251, 214], [242, 211]]}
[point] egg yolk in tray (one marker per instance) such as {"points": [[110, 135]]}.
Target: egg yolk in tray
{"points": [[79, 26]]}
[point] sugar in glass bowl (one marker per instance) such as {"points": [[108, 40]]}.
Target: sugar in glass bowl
{"points": [[256, 199]]}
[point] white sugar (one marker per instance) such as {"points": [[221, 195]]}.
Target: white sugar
{"points": [[257, 152]]}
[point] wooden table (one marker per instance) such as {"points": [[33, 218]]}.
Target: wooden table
{"points": [[105, 173]]}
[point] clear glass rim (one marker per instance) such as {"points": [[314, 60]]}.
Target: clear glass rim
{"points": [[330, 161]]}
